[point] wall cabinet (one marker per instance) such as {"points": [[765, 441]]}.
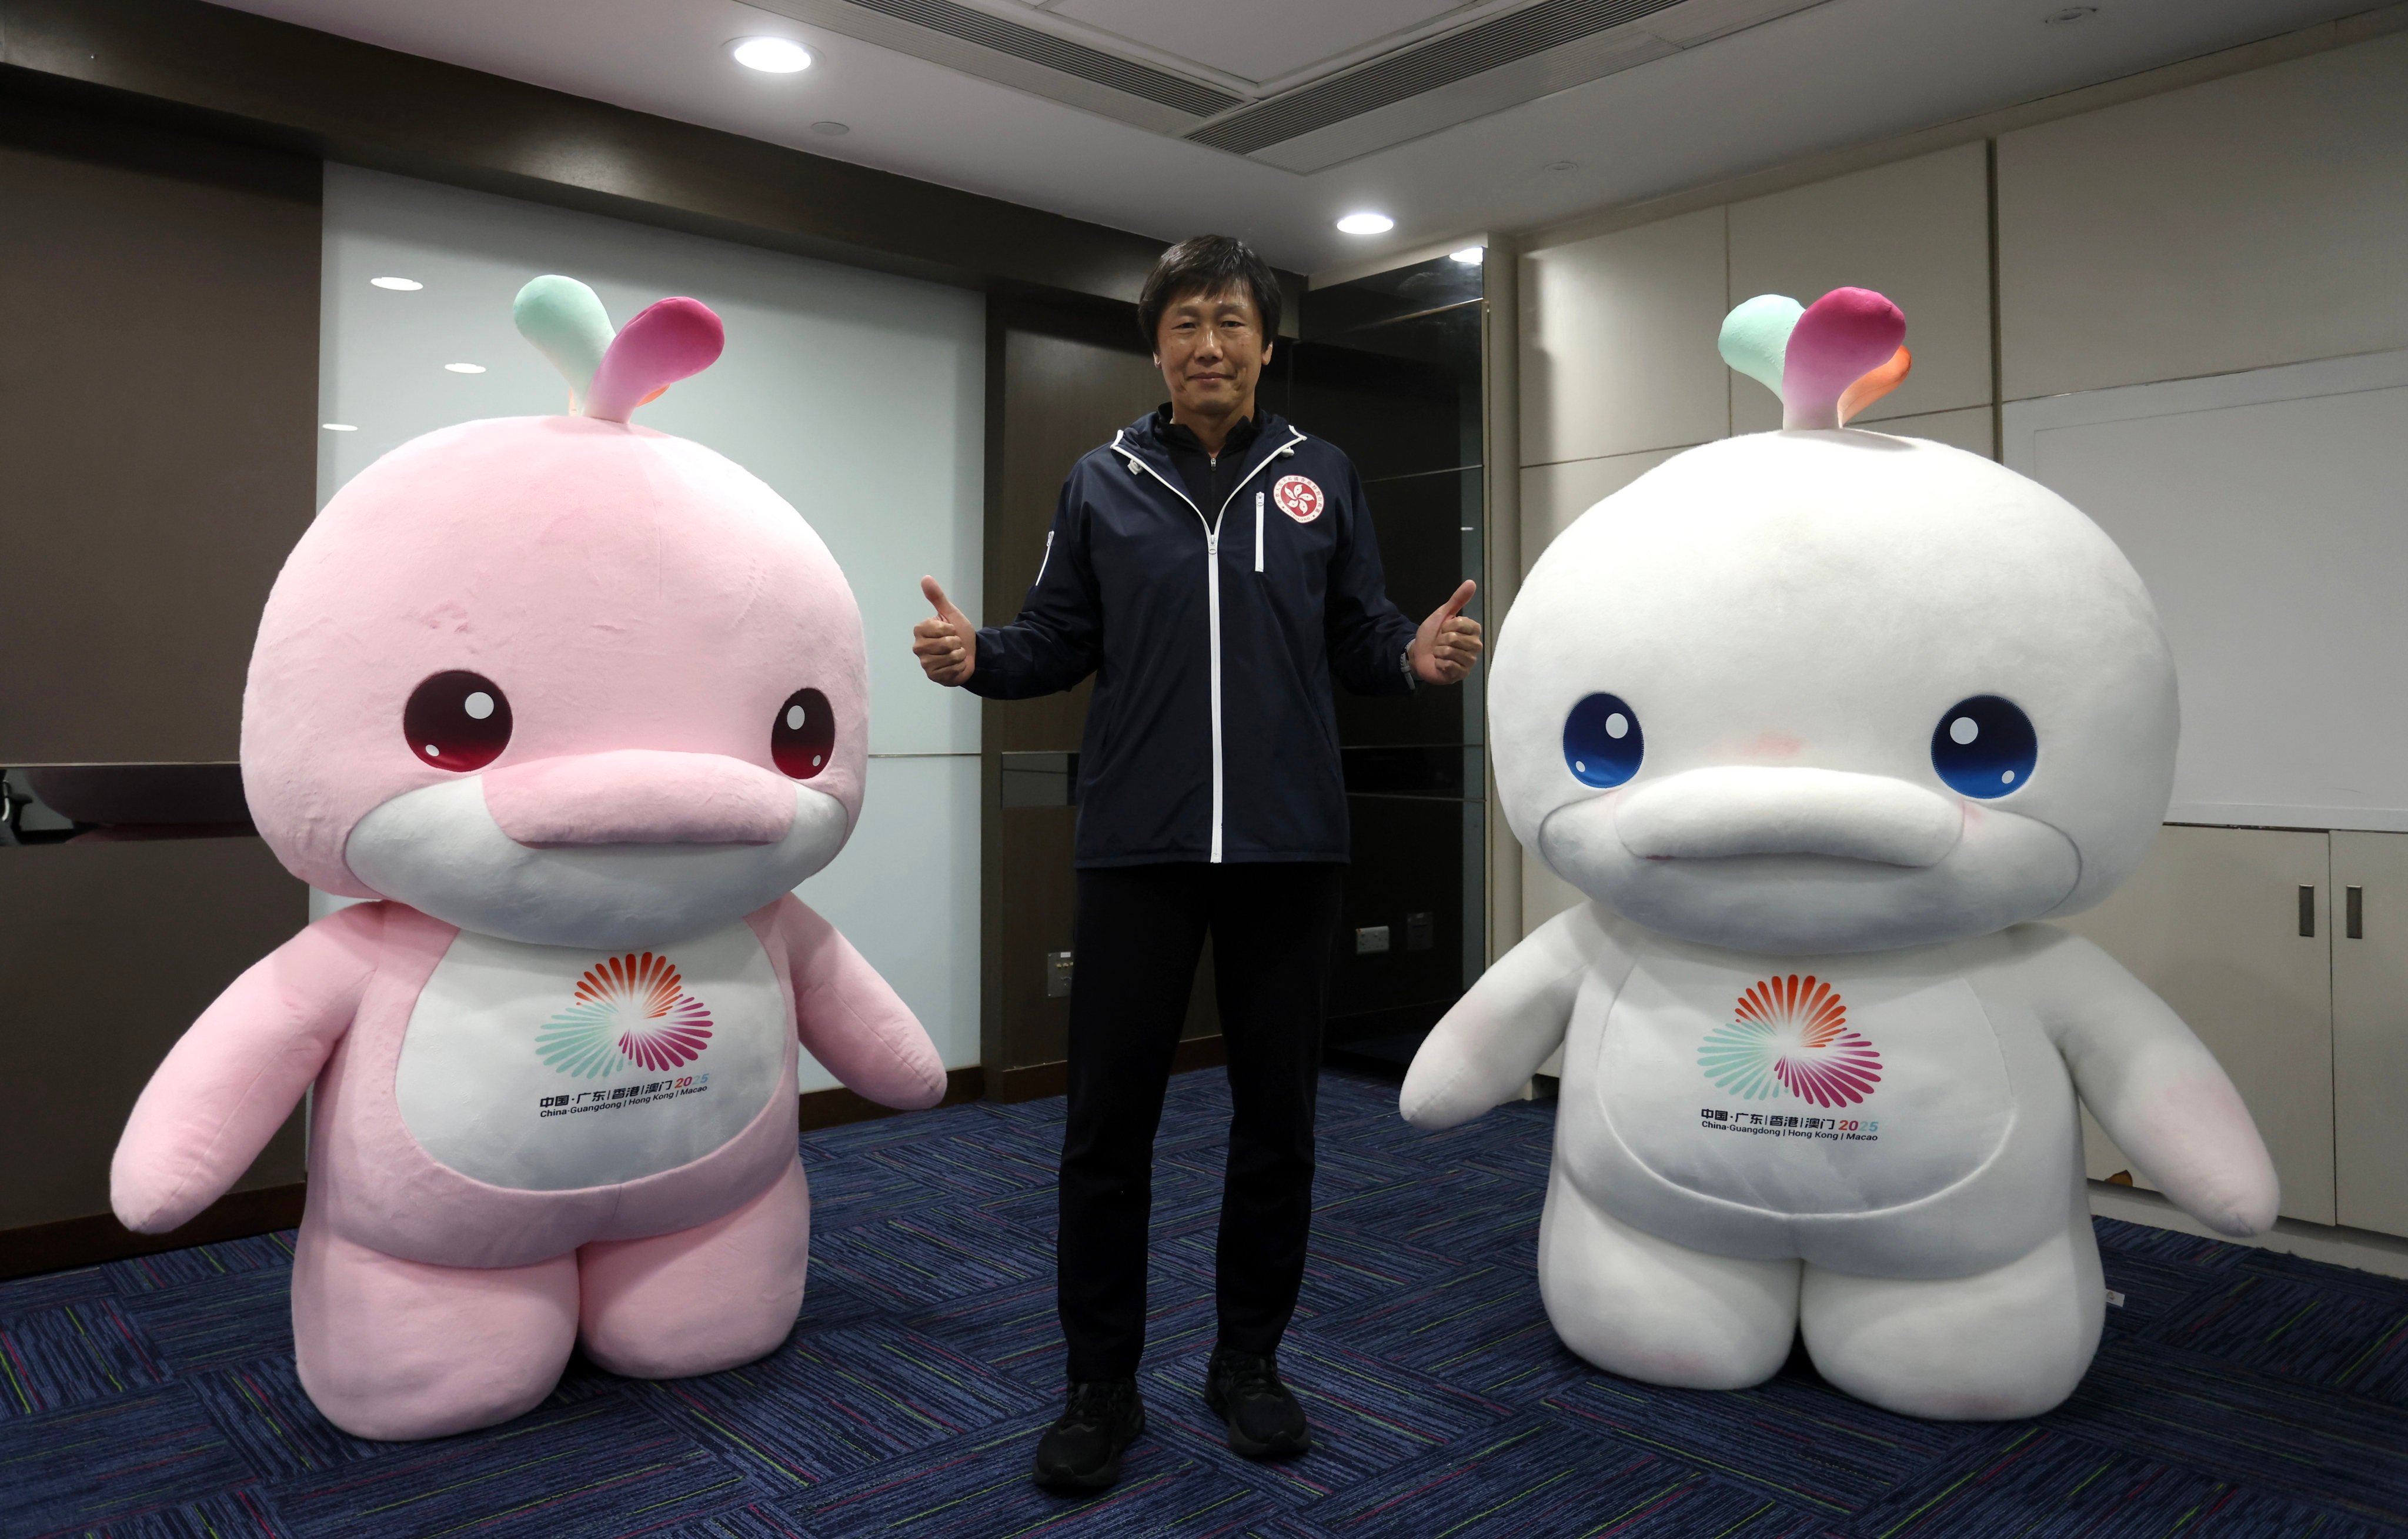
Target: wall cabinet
{"points": [[2286, 950], [2370, 989]]}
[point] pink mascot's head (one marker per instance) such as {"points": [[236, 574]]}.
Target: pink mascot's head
{"points": [[563, 680]]}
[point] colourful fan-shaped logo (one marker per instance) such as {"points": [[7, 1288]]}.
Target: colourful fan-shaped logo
{"points": [[1791, 1034], [631, 1009]]}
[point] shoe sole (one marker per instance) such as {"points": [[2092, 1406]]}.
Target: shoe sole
{"points": [[1248, 1448], [1096, 1479]]}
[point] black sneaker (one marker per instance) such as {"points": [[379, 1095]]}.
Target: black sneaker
{"points": [[1244, 1390], [1081, 1450]]}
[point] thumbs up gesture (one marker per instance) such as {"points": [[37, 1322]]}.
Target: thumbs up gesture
{"points": [[947, 646], [1448, 643]]}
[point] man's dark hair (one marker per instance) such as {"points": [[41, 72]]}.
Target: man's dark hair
{"points": [[1207, 264]]}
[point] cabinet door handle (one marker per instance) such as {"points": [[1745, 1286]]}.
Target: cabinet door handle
{"points": [[2354, 914], [2307, 910]]}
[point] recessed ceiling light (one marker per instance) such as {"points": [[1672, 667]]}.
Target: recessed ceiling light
{"points": [[1367, 223], [2066, 16], [771, 55], [832, 128], [465, 368], [403, 284], [340, 427], [1470, 256]]}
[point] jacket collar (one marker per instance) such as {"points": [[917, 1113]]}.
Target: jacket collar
{"points": [[1142, 441]]}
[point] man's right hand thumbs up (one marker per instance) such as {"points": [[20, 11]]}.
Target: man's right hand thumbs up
{"points": [[947, 646]]}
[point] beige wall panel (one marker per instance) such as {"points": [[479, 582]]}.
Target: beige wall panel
{"points": [[1544, 895], [1972, 430], [1618, 341], [1917, 231], [2211, 922], [2370, 973], [2248, 221], [1555, 495]]}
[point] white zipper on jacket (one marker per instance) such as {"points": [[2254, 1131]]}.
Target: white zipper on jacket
{"points": [[1212, 586]]}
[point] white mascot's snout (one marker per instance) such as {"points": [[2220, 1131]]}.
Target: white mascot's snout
{"points": [[1821, 721]]}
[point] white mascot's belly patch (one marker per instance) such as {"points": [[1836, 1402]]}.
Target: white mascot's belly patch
{"points": [[1803, 1091], [546, 1067]]}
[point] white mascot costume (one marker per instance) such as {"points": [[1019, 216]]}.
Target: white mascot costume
{"points": [[1821, 721]]}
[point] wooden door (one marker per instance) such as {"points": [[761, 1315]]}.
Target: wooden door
{"points": [[2212, 921]]}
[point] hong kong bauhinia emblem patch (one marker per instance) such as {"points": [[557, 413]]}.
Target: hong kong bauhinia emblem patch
{"points": [[1299, 498]]}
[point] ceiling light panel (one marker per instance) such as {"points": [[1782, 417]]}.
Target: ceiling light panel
{"points": [[1003, 50], [1256, 39], [771, 55]]}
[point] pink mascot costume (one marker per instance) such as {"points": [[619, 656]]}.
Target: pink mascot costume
{"points": [[578, 702]]}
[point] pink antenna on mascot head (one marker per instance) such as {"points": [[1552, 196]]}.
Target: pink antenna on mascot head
{"points": [[1827, 361], [610, 375]]}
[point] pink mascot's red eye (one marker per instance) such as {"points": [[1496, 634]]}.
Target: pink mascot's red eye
{"points": [[457, 721], [804, 735]]}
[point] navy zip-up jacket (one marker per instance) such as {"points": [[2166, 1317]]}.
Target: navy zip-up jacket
{"points": [[1212, 633]]}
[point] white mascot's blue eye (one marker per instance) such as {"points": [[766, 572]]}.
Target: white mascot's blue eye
{"points": [[1601, 740], [1984, 747]]}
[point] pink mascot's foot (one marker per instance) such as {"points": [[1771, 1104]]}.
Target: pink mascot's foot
{"points": [[396, 1349], [703, 1299]]}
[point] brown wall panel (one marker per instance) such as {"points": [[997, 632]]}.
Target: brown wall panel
{"points": [[1062, 395], [113, 949], [157, 424]]}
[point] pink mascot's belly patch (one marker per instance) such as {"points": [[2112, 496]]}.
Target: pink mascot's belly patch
{"points": [[552, 1068]]}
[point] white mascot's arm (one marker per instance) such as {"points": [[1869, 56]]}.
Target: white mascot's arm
{"points": [[1487, 1047], [2152, 1085], [234, 1077]]}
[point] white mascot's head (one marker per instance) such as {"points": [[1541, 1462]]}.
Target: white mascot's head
{"points": [[1826, 690]]}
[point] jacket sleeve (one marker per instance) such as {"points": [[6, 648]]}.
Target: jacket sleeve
{"points": [[1366, 634], [1058, 638]]}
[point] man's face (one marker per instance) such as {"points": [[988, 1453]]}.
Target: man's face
{"points": [[1210, 349]]}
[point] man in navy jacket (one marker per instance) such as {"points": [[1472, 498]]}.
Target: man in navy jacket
{"points": [[1212, 566]]}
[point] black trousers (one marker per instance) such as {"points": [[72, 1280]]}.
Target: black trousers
{"points": [[1138, 934]]}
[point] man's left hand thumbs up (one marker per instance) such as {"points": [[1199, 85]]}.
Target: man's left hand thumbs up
{"points": [[1448, 643]]}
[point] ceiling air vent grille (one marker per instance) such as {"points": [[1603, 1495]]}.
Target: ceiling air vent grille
{"points": [[1037, 47], [1410, 72]]}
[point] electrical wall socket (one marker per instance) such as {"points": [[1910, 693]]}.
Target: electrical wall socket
{"points": [[1370, 939], [1058, 974]]}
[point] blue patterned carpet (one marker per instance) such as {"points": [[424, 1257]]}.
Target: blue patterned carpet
{"points": [[2238, 1393]]}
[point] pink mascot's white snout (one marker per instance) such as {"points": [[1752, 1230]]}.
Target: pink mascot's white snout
{"points": [[1821, 722], [575, 704]]}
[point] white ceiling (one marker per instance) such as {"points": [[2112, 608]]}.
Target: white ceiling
{"points": [[1841, 73]]}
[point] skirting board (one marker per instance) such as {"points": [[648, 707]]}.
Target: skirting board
{"points": [[2383, 1254], [835, 1108], [89, 1241], [1053, 1079]]}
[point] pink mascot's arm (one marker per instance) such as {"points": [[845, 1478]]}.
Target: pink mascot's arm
{"points": [[2153, 1086], [232, 1079], [851, 1020], [1487, 1047]]}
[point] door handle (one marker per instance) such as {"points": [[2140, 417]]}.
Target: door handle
{"points": [[2354, 913]]}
